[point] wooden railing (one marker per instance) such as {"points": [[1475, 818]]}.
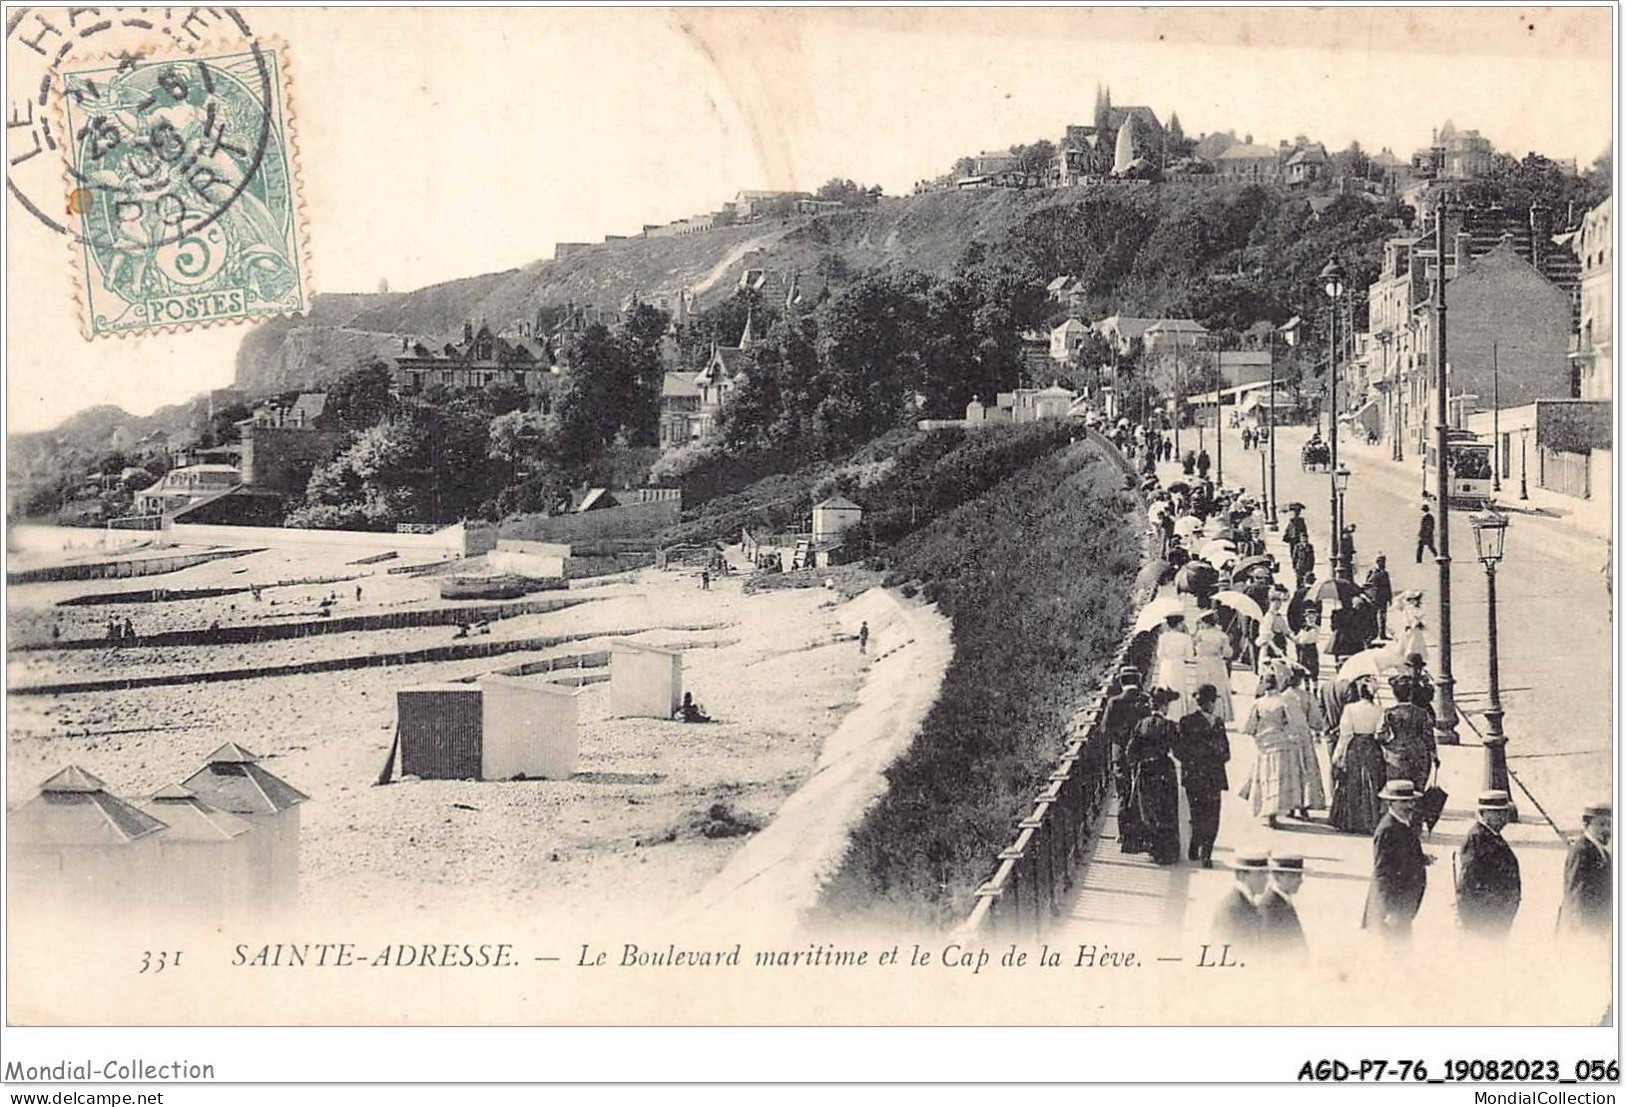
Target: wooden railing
{"points": [[1035, 873]]}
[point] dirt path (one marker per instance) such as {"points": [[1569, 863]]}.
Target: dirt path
{"points": [[777, 875]]}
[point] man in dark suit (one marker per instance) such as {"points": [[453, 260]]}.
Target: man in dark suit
{"points": [[1380, 587], [1303, 560], [1278, 918], [1488, 887], [1424, 535], [1203, 750], [1238, 921], [1399, 870], [1122, 714], [1588, 885]]}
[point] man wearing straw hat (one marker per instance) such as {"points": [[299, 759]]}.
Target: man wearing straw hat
{"points": [[1399, 870], [1488, 886], [1278, 918], [1588, 886], [1238, 921]]}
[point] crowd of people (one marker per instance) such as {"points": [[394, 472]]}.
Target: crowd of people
{"points": [[1167, 725]]}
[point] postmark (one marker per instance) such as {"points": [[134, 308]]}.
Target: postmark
{"points": [[181, 188]]}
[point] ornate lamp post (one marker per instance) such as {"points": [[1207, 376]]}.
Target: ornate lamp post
{"points": [[1331, 279], [1489, 536], [1340, 488], [1444, 703]]}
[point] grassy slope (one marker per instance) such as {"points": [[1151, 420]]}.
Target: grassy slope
{"points": [[1036, 575]]}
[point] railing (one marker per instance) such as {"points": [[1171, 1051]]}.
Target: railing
{"points": [[1035, 873]]}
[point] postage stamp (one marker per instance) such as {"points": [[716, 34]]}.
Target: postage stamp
{"points": [[182, 173]]}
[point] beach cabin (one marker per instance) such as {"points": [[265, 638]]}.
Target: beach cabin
{"points": [[529, 729], [440, 728], [206, 857], [73, 847], [502, 728], [834, 517], [234, 782], [645, 682]]}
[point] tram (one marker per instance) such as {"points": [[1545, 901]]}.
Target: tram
{"points": [[1468, 473]]}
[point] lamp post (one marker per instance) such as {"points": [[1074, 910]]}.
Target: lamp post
{"points": [[1340, 488], [1523, 463], [1489, 536], [1444, 704], [1331, 279], [1495, 434]]}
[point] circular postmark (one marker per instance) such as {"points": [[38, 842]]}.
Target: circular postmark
{"points": [[156, 149]]}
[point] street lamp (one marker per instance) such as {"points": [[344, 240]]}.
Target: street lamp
{"points": [[1340, 488], [1331, 279], [1490, 536]]}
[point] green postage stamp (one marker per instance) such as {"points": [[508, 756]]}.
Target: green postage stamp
{"points": [[183, 179]]}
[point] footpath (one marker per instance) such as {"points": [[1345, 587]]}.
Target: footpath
{"points": [[1127, 898]]}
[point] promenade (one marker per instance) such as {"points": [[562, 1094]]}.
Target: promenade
{"points": [[1126, 898]]}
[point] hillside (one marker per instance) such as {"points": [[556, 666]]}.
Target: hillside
{"points": [[928, 232]]}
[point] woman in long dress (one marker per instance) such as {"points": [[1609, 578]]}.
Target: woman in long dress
{"points": [[1213, 663], [1174, 649], [1154, 793], [1358, 770], [1303, 713], [1276, 785], [1413, 636]]}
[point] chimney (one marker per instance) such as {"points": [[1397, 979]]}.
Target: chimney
{"points": [[1464, 249]]}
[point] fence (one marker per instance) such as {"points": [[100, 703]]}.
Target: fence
{"points": [[1565, 473], [1035, 873]]}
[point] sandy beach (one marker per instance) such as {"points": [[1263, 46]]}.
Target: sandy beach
{"points": [[636, 831]]}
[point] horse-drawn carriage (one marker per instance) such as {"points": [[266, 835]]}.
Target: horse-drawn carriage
{"points": [[1317, 456]]}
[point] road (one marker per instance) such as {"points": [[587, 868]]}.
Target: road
{"points": [[1556, 637]]}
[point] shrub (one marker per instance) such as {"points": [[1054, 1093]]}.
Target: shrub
{"points": [[1036, 574]]}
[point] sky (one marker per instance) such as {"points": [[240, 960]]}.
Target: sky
{"points": [[442, 143]]}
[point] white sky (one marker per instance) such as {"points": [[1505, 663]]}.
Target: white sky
{"points": [[445, 143]]}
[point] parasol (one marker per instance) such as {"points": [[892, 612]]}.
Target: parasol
{"points": [[1240, 601], [1152, 614], [1371, 662], [1343, 591], [1217, 550], [1198, 579], [1186, 525], [1248, 564], [1179, 486]]}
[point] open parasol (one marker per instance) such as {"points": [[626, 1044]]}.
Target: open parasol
{"points": [[1197, 578], [1372, 663], [1343, 591], [1239, 601], [1153, 613], [1248, 564], [1186, 525], [1218, 551]]}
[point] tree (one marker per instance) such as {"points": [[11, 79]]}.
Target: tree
{"points": [[870, 335], [362, 397], [1037, 157], [848, 192]]}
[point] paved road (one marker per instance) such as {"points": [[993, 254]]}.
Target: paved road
{"points": [[1556, 638], [1167, 911]]}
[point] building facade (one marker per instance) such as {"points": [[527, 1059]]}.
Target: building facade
{"points": [[482, 358], [1593, 348]]}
